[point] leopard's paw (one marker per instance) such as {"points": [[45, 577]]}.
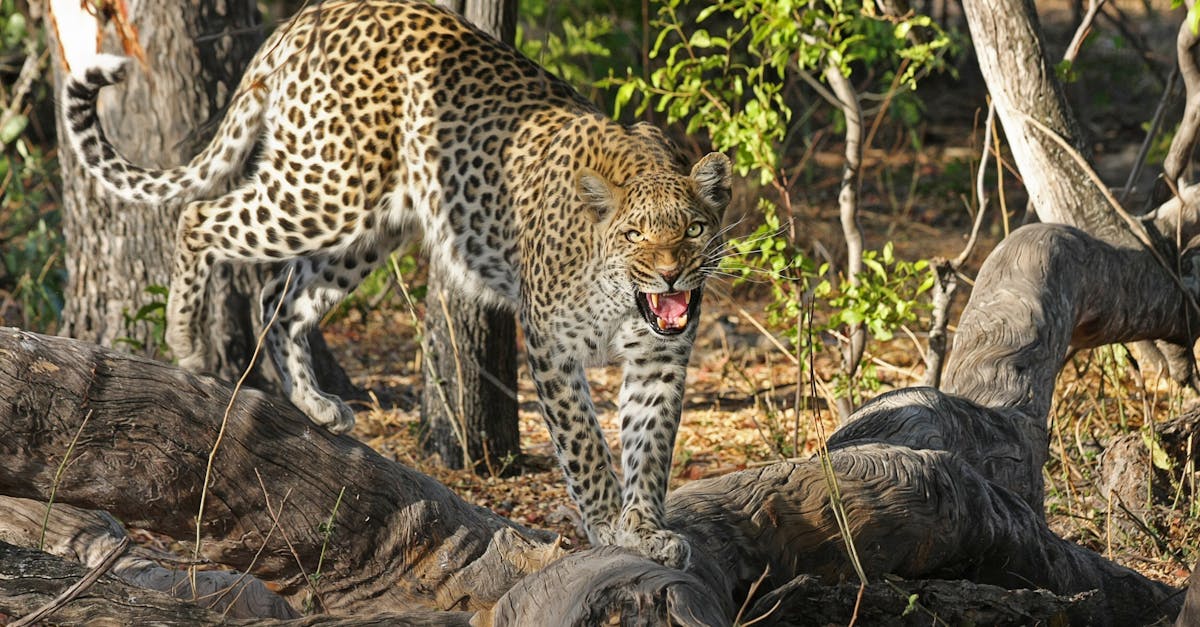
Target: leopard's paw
{"points": [[661, 545], [325, 411], [602, 533]]}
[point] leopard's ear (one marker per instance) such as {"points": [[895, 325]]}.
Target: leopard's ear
{"points": [[713, 176], [596, 193]]}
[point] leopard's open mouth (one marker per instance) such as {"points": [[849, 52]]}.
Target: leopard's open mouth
{"points": [[669, 313]]}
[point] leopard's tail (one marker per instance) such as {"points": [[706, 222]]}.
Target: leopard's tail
{"points": [[222, 159]]}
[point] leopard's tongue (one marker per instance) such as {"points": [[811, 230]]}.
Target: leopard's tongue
{"points": [[671, 308]]}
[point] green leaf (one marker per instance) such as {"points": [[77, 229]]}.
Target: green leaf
{"points": [[12, 129], [1158, 455], [623, 97]]}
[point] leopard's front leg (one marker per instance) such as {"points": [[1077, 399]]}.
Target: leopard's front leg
{"points": [[650, 406], [571, 418]]}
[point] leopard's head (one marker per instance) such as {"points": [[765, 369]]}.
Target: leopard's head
{"points": [[662, 232]]}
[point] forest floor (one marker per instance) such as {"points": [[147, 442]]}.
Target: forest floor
{"points": [[743, 393]]}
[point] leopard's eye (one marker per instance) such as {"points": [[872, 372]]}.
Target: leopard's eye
{"points": [[694, 229], [634, 236]]}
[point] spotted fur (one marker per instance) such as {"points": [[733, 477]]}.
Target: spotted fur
{"points": [[378, 117]]}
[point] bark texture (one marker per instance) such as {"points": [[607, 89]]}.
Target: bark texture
{"points": [[87, 537], [30, 579], [1011, 52], [470, 364], [469, 409], [1190, 615], [1062, 185]]}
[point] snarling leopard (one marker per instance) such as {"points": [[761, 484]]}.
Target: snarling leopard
{"points": [[366, 120]]}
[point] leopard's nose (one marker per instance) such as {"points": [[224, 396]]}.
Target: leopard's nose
{"points": [[669, 274]]}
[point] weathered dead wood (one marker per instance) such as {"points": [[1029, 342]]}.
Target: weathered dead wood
{"points": [[805, 602], [1129, 475], [1189, 616], [1043, 290], [29, 578], [88, 536], [144, 433], [914, 513]]}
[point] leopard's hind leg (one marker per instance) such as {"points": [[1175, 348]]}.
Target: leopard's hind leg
{"points": [[314, 285], [246, 226]]}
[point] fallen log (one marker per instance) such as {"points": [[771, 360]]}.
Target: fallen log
{"points": [[139, 434], [30, 580], [88, 537]]}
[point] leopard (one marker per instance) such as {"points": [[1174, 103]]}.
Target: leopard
{"points": [[360, 124]]}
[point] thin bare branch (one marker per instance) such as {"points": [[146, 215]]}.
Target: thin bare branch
{"points": [[1085, 27], [1179, 156]]}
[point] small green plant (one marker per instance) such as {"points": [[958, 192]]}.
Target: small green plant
{"points": [[326, 530], [886, 297], [153, 313]]}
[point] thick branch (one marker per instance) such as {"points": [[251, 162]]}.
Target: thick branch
{"points": [[145, 429], [1044, 289]]}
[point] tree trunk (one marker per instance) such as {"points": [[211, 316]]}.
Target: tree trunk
{"points": [[1020, 77], [115, 251], [470, 391]]}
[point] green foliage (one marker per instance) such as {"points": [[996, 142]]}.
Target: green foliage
{"points": [[14, 27], [725, 68], [885, 297], [32, 276], [565, 55], [729, 80], [579, 41], [153, 313], [31, 269]]}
